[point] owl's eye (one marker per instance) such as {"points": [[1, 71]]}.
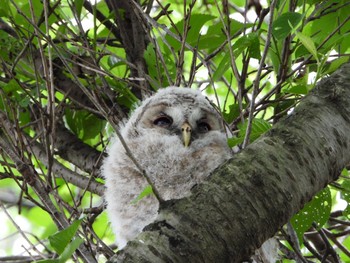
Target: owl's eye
{"points": [[163, 121], [203, 127]]}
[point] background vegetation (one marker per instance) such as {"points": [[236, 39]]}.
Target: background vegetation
{"points": [[71, 70]]}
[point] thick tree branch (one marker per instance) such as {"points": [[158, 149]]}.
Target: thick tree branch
{"points": [[134, 39], [75, 151], [247, 199], [59, 169], [83, 182]]}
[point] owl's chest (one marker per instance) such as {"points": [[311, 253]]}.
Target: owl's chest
{"points": [[173, 168], [169, 168], [174, 173], [175, 177]]}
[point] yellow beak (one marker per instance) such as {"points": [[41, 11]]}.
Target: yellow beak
{"points": [[186, 130]]}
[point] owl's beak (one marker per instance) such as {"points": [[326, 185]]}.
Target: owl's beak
{"points": [[186, 131]]}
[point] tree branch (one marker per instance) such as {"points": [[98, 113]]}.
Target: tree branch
{"points": [[134, 39], [75, 151], [60, 170], [248, 198]]}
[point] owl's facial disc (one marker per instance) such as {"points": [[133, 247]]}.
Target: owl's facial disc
{"points": [[186, 131]]}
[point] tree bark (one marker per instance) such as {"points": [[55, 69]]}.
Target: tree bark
{"points": [[134, 37], [247, 199]]}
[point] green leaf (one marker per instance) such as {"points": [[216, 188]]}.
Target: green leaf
{"points": [[84, 124], [215, 36], [66, 254], [317, 210], [224, 65], [11, 86], [48, 261], [114, 61], [147, 191], [102, 228], [333, 42], [335, 64], [235, 26], [233, 112], [156, 70], [308, 44], [69, 249], [28, 10], [259, 127], [78, 6], [284, 24], [250, 41], [345, 195], [296, 89], [197, 21], [61, 239], [5, 8]]}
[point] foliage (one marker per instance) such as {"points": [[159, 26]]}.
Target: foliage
{"points": [[71, 70], [63, 244]]}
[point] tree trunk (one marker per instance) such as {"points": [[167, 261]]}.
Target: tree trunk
{"points": [[247, 199]]}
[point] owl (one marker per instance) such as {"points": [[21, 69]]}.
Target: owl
{"points": [[177, 139]]}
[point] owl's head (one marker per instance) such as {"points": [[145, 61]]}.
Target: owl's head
{"points": [[174, 111]]}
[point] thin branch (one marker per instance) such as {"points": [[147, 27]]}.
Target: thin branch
{"points": [[256, 81]]}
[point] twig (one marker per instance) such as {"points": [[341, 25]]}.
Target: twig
{"points": [[256, 82]]}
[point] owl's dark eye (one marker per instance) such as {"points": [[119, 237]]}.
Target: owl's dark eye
{"points": [[163, 121], [203, 127]]}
